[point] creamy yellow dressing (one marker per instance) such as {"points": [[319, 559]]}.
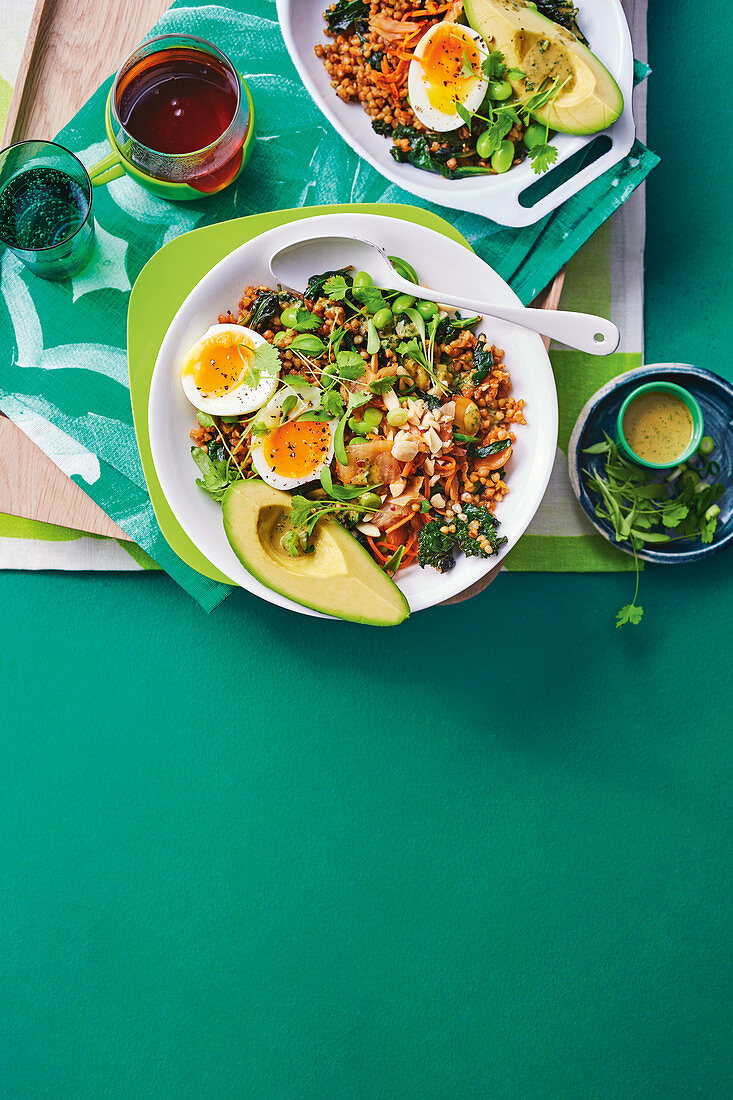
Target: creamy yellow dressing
{"points": [[658, 426]]}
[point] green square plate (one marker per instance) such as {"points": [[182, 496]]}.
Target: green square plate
{"points": [[165, 281]]}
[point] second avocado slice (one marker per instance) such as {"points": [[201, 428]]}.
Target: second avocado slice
{"points": [[589, 101], [339, 578]]}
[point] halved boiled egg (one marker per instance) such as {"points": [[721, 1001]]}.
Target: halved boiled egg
{"points": [[294, 451], [445, 70], [216, 375]]}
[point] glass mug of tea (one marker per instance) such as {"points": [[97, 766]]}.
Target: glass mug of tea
{"points": [[179, 118]]}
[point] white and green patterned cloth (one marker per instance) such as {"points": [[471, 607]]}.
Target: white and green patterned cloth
{"points": [[63, 377]]}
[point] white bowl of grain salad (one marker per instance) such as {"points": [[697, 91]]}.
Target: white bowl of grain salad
{"points": [[337, 70], [521, 391]]}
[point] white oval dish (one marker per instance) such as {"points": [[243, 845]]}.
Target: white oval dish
{"points": [[497, 197], [439, 261]]}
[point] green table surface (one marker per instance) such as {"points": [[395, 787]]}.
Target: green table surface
{"points": [[483, 856]]}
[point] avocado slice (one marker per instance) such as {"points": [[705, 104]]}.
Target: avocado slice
{"points": [[339, 578], [590, 100]]}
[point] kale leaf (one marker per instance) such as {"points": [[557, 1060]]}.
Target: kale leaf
{"points": [[434, 547], [263, 309], [375, 60], [348, 16], [483, 361], [450, 327], [430, 160], [492, 448]]}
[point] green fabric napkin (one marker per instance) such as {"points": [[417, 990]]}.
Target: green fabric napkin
{"points": [[64, 373]]}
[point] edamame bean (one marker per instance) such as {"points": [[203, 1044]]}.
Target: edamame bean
{"points": [[363, 278], [707, 445], [370, 500], [372, 416], [407, 271], [500, 89], [501, 160], [534, 135], [403, 302], [427, 310], [311, 345], [359, 426], [382, 318], [397, 418], [485, 145], [289, 316]]}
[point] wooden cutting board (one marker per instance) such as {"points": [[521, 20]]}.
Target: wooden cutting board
{"points": [[73, 45]]}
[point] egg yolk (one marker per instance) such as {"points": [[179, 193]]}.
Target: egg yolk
{"points": [[297, 448], [443, 66], [220, 364]]}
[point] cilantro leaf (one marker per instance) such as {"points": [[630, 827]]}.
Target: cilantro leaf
{"points": [[629, 613], [336, 288], [265, 359], [466, 67], [493, 66], [542, 157], [383, 384], [332, 403], [316, 283], [350, 364], [216, 475], [370, 297], [305, 321]]}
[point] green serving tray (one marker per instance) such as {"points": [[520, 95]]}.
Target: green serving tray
{"points": [[166, 280]]}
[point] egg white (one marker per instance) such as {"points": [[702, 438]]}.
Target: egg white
{"points": [[239, 401], [418, 85], [271, 416]]}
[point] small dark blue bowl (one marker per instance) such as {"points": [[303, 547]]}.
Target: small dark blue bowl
{"points": [[715, 397]]}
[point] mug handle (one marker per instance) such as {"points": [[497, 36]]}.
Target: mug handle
{"points": [[108, 169]]}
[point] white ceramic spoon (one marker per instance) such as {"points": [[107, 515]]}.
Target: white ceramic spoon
{"points": [[293, 265]]}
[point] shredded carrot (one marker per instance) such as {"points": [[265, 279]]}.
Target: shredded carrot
{"points": [[392, 77], [378, 552], [398, 524], [425, 14]]}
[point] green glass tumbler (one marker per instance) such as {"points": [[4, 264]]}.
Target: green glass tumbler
{"points": [[46, 208]]}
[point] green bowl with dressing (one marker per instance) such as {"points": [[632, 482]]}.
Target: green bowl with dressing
{"points": [[659, 425]]}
